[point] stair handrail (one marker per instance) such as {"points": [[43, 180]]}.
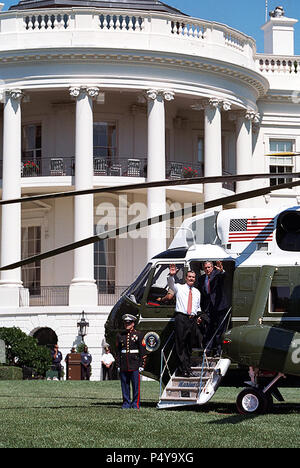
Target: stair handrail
{"points": [[163, 359], [216, 331], [205, 357], [202, 372]]}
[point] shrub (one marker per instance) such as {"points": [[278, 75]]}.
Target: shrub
{"points": [[80, 347], [10, 373], [23, 350]]}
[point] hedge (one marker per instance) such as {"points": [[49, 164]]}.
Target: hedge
{"points": [[23, 350], [11, 373]]}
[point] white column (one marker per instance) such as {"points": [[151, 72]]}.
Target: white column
{"points": [[213, 146], [11, 188], [156, 168], [244, 164], [83, 289]]}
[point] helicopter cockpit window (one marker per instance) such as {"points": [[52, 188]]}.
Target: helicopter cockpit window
{"points": [[137, 289], [159, 286]]}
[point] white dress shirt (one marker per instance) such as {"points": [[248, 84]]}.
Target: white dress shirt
{"points": [[182, 296], [107, 359]]}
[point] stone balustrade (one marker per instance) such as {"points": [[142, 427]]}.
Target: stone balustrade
{"points": [[104, 28], [278, 65]]}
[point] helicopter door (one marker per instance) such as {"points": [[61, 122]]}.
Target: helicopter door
{"points": [[227, 284]]}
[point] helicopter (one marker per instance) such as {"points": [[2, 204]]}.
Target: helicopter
{"points": [[258, 248]]}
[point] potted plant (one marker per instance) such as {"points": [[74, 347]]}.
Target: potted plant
{"points": [[189, 172], [30, 168]]}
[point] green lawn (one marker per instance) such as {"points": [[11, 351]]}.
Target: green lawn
{"points": [[88, 414]]}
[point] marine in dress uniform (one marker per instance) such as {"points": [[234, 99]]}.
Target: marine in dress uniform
{"points": [[130, 359]]}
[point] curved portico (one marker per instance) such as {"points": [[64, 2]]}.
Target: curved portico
{"points": [[171, 84]]}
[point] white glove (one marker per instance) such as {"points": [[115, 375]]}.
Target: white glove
{"points": [[141, 369]]}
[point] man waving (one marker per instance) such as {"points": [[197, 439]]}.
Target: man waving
{"points": [[186, 311]]}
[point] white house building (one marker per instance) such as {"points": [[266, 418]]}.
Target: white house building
{"points": [[104, 93]]}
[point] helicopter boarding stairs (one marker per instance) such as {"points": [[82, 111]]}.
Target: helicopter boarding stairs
{"points": [[199, 388]]}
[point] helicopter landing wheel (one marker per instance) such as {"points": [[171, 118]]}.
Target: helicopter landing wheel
{"points": [[252, 401]]}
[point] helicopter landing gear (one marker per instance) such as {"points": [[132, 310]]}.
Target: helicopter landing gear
{"points": [[253, 400]]}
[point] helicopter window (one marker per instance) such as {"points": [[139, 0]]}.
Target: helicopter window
{"points": [[136, 291], [285, 300], [205, 229], [280, 299], [288, 229], [159, 285]]}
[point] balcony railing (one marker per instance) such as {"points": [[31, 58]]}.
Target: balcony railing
{"points": [[65, 166], [278, 65], [181, 170], [120, 167], [36, 28], [46, 296], [47, 167], [49, 296], [110, 296]]}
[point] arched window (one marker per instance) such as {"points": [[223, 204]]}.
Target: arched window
{"points": [[46, 337]]}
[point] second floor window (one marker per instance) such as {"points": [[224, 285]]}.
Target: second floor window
{"points": [[105, 265], [281, 164], [31, 142], [105, 140], [200, 156], [31, 245]]}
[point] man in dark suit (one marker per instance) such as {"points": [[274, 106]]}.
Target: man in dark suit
{"points": [[215, 303], [86, 360], [56, 361]]}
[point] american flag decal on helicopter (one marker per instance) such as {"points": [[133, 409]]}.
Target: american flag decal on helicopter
{"points": [[251, 230]]}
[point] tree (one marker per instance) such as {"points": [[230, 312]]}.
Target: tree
{"points": [[23, 350]]}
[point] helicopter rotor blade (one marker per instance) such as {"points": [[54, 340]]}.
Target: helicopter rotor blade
{"points": [[283, 153], [107, 234], [151, 221], [146, 185]]}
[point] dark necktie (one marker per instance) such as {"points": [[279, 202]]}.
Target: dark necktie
{"points": [[208, 285]]}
